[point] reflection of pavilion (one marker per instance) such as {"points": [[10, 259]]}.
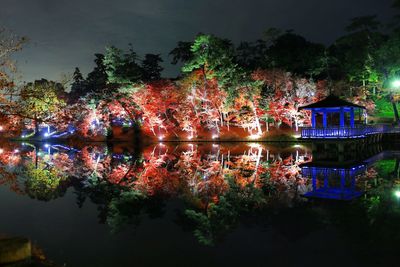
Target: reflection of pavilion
{"points": [[333, 182], [335, 177]]}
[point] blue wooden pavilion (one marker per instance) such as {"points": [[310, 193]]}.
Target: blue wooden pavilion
{"points": [[333, 117]]}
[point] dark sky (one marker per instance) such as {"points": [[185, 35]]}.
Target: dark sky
{"points": [[66, 33]]}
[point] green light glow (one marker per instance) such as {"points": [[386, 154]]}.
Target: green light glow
{"points": [[28, 135], [396, 83]]}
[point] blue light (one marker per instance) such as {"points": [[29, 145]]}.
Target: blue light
{"points": [[341, 133], [59, 135]]}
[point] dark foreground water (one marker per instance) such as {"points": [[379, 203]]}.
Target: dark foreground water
{"points": [[204, 204]]}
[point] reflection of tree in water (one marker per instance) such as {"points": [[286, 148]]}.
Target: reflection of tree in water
{"points": [[219, 186], [219, 217], [10, 168], [130, 207], [43, 182], [216, 184], [380, 208]]}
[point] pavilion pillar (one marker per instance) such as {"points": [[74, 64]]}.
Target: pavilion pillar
{"points": [[314, 178], [313, 119], [326, 181], [325, 118], [342, 178], [353, 180], [352, 117], [365, 117], [341, 117]]}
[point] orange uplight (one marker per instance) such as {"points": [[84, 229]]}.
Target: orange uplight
{"points": [[255, 145], [254, 136]]}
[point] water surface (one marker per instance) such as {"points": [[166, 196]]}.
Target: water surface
{"points": [[204, 204]]}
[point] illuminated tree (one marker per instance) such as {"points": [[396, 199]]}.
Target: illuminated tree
{"points": [[158, 102], [249, 112], [215, 58], [202, 104], [287, 93], [38, 102], [9, 44]]}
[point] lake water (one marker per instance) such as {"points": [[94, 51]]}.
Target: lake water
{"points": [[204, 204]]}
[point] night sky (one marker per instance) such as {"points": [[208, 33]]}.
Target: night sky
{"points": [[66, 33]]}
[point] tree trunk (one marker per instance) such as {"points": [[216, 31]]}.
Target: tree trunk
{"points": [[130, 115], [203, 69], [396, 169], [259, 130], [110, 133], [36, 123], [36, 157], [396, 112]]}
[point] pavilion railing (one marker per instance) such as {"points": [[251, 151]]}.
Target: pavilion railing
{"points": [[358, 131]]}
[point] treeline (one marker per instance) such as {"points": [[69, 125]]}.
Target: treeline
{"points": [[222, 86], [367, 56]]}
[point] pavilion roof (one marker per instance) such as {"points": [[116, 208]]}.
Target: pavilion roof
{"points": [[331, 101]]}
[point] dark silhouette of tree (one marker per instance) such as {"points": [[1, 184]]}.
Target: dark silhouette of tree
{"points": [[96, 80], [387, 63], [181, 53], [294, 53], [122, 68], [364, 23], [395, 24], [78, 86], [355, 53], [252, 55], [151, 67]]}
